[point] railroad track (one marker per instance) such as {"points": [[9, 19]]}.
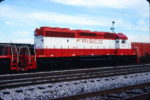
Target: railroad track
{"points": [[133, 92], [26, 79]]}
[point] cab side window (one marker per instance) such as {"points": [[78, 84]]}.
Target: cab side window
{"points": [[123, 41]]}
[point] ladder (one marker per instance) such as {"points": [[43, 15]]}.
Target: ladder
{"points": [[21, 58], [27, 59], [14, 57]]}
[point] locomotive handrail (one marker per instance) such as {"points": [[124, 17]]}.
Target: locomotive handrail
{"points": [[12, 53], [19, 51], [29, 54], [34, 54], [17, 54], [4, 49]]}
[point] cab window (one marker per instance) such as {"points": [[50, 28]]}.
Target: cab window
{"points": [[123, 41]]}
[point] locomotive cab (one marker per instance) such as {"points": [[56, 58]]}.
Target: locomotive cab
{"points": [[124, 53], [122, 42]]}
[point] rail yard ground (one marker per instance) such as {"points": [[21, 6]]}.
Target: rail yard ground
{"points": [[81, 84]]}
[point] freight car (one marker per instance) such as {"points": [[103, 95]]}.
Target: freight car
{"points": [[63, 48], [142, 51]]}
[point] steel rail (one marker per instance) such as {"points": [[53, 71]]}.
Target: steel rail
{"points": [[38, 78]]}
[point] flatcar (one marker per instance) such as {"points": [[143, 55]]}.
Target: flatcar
{"points": [[62, 48]]}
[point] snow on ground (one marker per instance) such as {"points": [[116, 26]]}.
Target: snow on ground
{"points": [[62, 89]]}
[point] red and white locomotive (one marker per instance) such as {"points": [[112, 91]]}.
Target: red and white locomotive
{"points": [[63, 48], [81, 47]]}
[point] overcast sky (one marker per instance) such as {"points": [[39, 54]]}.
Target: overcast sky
{"points": [[19, 18]]}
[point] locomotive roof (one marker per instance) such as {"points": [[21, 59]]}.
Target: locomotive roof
{"points": [[66, 32]]}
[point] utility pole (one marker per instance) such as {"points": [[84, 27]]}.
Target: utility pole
{"points": [[149, 17], [113, 27]]}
